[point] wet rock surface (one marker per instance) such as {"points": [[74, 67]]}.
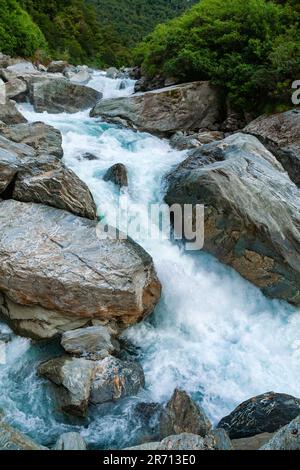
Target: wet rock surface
{"points": [[262, 414], [251, 211]]}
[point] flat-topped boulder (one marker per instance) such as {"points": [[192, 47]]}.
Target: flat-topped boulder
{"points": [[280, 133], [252, 219], [165, 111], [52, 259]]}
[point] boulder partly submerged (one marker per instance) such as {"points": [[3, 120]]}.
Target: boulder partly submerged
{"points": [[56, 261], [280, 133], [252, 219], [10, 115], [59, 95], [262, 414], [165, 111]]}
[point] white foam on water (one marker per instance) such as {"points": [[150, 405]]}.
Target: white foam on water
{"points": [[213, 334]]}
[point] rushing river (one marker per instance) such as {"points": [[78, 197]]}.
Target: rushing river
{"points": [[213, 334]]}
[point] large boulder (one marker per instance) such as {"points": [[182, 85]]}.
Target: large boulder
{"points": [[43, 138], [52, 259], [30, 177], [252, 214], [252, 443], [280, 133], [11, 439], [115, 379], [70, 441], [58, 95], [165, 111], [74, 377], [95, 342], [10, 115], [183, 415], [287, 438], [262, 414]]}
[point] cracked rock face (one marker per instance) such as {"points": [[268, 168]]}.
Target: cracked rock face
{"points": [[41, 137], [55, 260], [27, 175], [252, 219]]}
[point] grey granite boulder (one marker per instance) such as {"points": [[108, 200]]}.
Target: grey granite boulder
{"points": [[280, 133], [183, 415], [43, 138], [262, 414], [165, 111], [58, 95], [252, 219], [52, 259], [28, 176]]}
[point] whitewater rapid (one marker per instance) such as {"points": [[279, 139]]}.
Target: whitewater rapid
{"points": [[213, 333]]}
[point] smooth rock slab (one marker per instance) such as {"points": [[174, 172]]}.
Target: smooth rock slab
{"points": [[95, 342], [55, 260], [252, 218], [165, 111], [262, 414], [115, 379]]}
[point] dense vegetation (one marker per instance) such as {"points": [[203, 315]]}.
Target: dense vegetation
{"points": [[134, 19], [19, 35], [249, 48], [96, 32]]}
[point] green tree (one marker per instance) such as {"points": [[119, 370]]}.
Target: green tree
{"points": [[19, 35], [251, 49]]}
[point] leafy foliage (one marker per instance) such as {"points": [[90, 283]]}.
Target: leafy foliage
{"points": [[19, 35], [251, 49]]}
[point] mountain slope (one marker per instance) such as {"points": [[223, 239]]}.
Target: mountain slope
{"points": [[134, 19]]}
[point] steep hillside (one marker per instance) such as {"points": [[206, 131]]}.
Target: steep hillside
{"points": [[133, 19]]}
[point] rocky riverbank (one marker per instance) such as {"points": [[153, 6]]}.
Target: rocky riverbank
{"points": [[59, 280]]}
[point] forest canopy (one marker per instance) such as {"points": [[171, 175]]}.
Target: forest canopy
{"points": [[251, 49]]}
